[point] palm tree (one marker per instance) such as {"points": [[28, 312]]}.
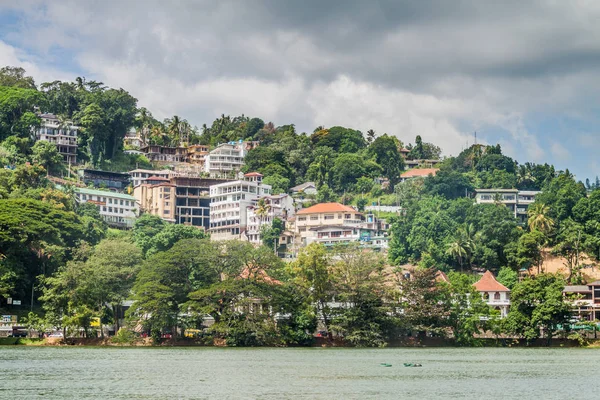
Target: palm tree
{"points": [[538, 218], [262, 210], [370, 136], [174, 130], [458, 250]]}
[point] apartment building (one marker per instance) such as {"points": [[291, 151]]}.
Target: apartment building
{"points": [[165, 154], [156, 196], [229, 203], [227, 159], [139, 176], [197, 154], [133, 139], [517, 201], [192, 200], [585, 300], [117, 209], [277, 206], [335, 223], [115, 181], [62, 134]]}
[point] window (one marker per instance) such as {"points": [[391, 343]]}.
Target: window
{"points": [[109, 209], [109, 201], [167, 212], [301, 218], [497, 296], [104, 208], [121, 202], [120, 211], [330, 216], [339, 216], [347, 216], [314, 217]]}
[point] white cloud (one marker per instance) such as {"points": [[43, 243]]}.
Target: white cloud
{"points": [[559, 151]]}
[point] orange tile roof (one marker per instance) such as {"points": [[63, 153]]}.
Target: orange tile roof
{"points": [[488, 283], [420, 172], [327, 207], [253, 174]]}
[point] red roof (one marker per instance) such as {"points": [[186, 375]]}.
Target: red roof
{"points": [[157, 178], [420, 172], [253, 174], [488, 283], [327, 208]]}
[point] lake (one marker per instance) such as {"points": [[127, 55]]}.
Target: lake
{"points": [[311, 373]]}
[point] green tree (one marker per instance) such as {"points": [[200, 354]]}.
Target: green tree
{"points": [[17, 111], [386, 154], [46, 154], [537, 305], [538, 218], [15, 77]]}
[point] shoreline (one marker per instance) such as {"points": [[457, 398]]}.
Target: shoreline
{"points": [[146, 342]]}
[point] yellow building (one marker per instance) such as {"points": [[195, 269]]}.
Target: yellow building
{"points": [[156, 196]]}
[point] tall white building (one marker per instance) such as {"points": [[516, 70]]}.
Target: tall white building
{"points": [[229, 204], [227, 159], [277, 206], [517, 201], [63, 136], [117, 209]]}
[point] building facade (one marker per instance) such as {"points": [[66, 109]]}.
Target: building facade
{"points": [[139, 176], [62, 135], [156, 196], [277, 206], [197, 154], [165, 154], [115, 181], [229, 203], [517, 201], [227, 159], [117, 209], [585, 300], [192, 200], [495, 294]]}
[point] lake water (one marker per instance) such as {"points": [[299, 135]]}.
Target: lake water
{"points": [[312, 373]]}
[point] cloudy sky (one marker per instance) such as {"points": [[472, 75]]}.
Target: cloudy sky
{"points": [[525, 74]]}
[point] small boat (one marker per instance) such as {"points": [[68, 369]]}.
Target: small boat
{"points": [[412, 365], [385, 365]]}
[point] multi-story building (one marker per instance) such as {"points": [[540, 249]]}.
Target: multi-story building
{"points": [[229, 204], [133, 139], [227, 159], [192, 200], [139, 176], [276, 206], [335, 223], [585, 300], [62, 135], [165, 154], [495, 294], [156, 196], [104, 179], [117, 209], [517, 201], [197, 154]]}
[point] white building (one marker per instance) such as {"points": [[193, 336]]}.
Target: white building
{"points": [[278, 206], [63, 136], [495, 294], [306, 188], [517, 201], [229, 203], [227, 159], [117, 209], [139, 176]]}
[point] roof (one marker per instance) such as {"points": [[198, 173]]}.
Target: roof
{"points": [[595, 283], [151, 171], [302, 186], [100, 172], [419, 172], [577, 289], [253, 174], [327, 208], [105, 193], [488, 283], [404, 150], [440, 276], [496, 190], [157, 178]]}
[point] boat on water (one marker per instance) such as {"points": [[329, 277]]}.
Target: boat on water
{"points": [[412, 365]]}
